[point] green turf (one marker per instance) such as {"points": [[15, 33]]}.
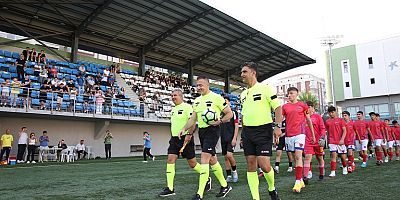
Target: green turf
{"points": [[129, 178]]}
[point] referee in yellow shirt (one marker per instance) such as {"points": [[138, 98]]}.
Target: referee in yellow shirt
{"points": [[179, 116], [209, 135], [257, 134]]}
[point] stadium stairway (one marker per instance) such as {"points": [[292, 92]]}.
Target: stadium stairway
{"points": [[129, 93]]}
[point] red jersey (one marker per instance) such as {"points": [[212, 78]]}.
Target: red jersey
{"points": [[350, 135], [375, 127], [295, 118], [390, 133], [361, 127], [335, 129], [319, 128], [384, 128], [396, 131]]}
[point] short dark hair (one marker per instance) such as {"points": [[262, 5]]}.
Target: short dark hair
{"points": [[394, 122], [331, 109], [226, 97], [377, 114], [145, 132], [292, 89], [346, 113], [360, 112], [23, 127], [203, 77], [44, 131], [386, 120], [251, 65], [310, 103], [371, 113]]}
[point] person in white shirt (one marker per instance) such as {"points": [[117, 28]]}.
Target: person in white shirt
{"points": [[106, 72], [81, 149], [22, 142]]}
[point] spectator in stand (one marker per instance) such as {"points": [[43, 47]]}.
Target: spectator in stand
{"points": [[86, 107], [41, 58], [70, 84], [98, 78], [106, 72], [15, 86], [142, 94], [21, 65], [31, 148], [121, 94], [104, 81], [108, 100], [81, 84], [112, 67], [26, 83], [6, 144], [81, 149], [44, 73], [63, 81], [61, 91], [22, 141], [43, 145], [62, 147], [36, 70], [118, 68], [32, 55], [107, 144], [53, 72], [55, 83], [26, 53], [72, 98], [111, 80], [82, 70], [5, 92], [99, 101]]}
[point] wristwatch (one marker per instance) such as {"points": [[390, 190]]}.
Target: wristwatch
{"points": [[277, 125]]}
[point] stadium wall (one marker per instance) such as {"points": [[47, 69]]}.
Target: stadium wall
{"points": [[72, 130]]}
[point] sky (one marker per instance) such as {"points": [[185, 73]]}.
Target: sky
{"points": [[302, 24]]}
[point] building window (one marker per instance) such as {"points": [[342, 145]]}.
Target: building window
{"points": [[347, 84], [372, 80], [353, 111], [397, 109], [345, 67], [370, 63], [382, 109]]}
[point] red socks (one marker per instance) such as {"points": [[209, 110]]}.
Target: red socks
{"points": [[321, 169], [299, 172], [306, 169], [364, 156], [333, 166]]}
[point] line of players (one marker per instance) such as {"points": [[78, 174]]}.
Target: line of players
{"points": [[344, 135]]}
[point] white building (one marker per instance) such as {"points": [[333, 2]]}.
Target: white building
{"points": [[367, 77], [304, 83]]}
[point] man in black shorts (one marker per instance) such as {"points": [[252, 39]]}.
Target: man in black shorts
{"points": [[258, 101], [184, 145], [208, 103], [229, 133]]}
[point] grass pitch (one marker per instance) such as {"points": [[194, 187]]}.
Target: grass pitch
{"points": [[129, 178]]}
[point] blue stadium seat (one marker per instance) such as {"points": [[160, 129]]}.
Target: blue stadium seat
{"points": [[15, 55], [75, 72], [33, 78], [121, 103], [73, 77], [2, 60], [1, 52], [10, 60], [12, 69], [36, 86], [7, 54], [79, 107], [1, 80], [4, 67], [49, 95], [89, 69], [35, 102], [79, 99], [64, 105], [34, 94], [66, 97], [67, 77], [14, 75], [62, 70], [68, 71], [133, 112], [73, 66], [29, 71], [6, 75], [103, 88]]}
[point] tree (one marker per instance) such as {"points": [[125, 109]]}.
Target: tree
{"points": [[307, 96]]}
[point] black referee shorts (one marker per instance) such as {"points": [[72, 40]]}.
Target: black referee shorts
{"points": [[257, 140], [281, 143], [175, 144], [209, 138]]}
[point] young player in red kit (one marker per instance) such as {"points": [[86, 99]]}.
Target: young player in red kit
{"points": [[390, 139], [316, 149], [336, 135], [360, 127], [384, 134], [374, 128], [349, 141], [396, 130], [296, 114]]}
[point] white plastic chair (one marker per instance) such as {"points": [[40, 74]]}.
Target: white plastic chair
{"points": [[71, 154], [90, 153], [43, 154]]}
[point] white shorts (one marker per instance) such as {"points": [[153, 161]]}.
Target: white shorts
{"points": [[295, 143], [384, 143], [398, 143], [363, 146], [352, 147], [378, 142], [341, 149], [390, 144]]}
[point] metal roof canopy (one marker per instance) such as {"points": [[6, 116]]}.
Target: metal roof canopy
{"points": [[172, 34]]}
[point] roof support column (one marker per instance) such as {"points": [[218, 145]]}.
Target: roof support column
{"points": [[142, 62], [190, 73], [74, 47], [227, 87]]}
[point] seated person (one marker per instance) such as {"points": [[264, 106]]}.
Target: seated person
{"points": [[81, 149], [62, 148]]}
